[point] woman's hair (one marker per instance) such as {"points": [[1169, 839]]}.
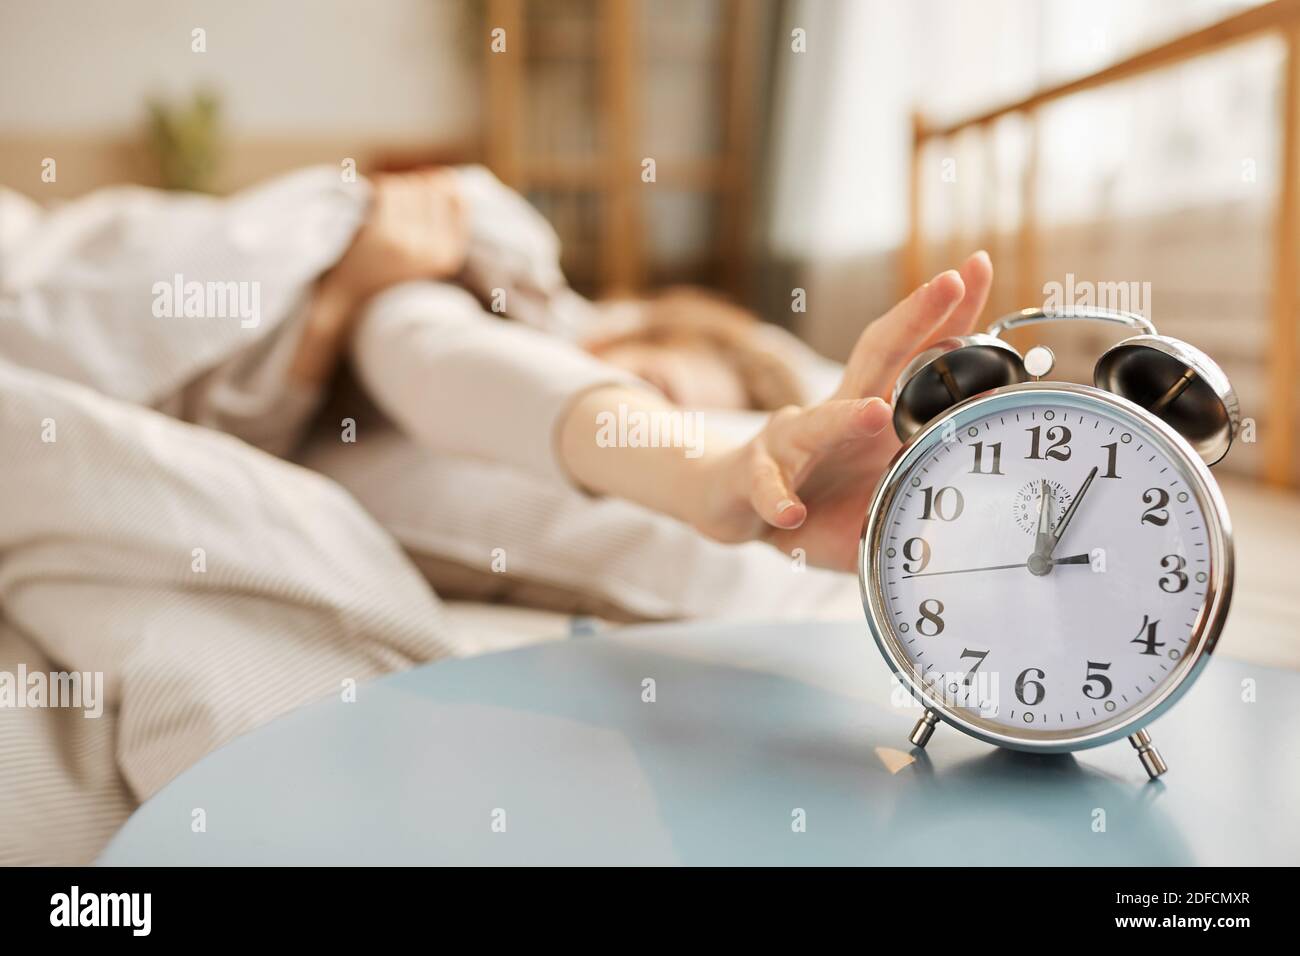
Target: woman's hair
{"points": [[687, 317]]}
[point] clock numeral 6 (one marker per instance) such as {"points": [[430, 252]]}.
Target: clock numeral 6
{"points": [[1157, 514], [1025, 682], [1104, 685], [932, 616], [946, 504], [1176, 580], [921, 559], [1146, 636]]}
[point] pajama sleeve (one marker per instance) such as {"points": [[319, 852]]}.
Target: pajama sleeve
{"points": [[463, 381]]}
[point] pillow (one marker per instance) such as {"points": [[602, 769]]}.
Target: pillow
{"points": [[482, 531]]}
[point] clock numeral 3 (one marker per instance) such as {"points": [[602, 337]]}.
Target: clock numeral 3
{"points": [[1176, 580], [1104, 685], [921, 559], [932, 616], [1157, 514], [946, 504], [1025, 682], [1058, 435], [1146, 636]]}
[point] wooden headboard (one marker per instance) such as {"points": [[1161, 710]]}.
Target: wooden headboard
{"points": [[84, 163]]}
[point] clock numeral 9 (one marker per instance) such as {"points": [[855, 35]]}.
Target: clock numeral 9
{"points": [[1157, 514], [946, 504], [1104, 685], [1176, 580], [1146, 636], [921, 559], [932, 616], [1025, 682], [1058, 435]]}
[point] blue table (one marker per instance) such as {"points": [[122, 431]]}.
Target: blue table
{"points": [[752, 728]]}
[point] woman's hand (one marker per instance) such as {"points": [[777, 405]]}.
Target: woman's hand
{"points": [[805, 481], [415, 229]]}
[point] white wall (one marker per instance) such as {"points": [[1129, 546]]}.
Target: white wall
{"points": [[842, 114], [396, 68]]}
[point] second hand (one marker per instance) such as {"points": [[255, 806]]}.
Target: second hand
{"points": [[1072, 559]]}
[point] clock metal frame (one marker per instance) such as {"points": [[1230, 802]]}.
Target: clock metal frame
{"points": [[1210, 619]]}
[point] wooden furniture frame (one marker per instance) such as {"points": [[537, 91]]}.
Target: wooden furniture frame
{"points": [[1280, 18], [614, 173]]}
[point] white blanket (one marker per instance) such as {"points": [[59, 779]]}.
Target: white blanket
{"points": [[208, 585], [213, 586]]}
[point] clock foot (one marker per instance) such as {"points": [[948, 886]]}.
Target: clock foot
{"points": [[1152, 762], [924, 729]]}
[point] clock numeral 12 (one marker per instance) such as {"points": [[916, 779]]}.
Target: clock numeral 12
{"points": [[1058, 435]]}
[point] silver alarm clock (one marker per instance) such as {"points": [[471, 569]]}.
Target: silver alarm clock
{"points": [[1047, 566]]}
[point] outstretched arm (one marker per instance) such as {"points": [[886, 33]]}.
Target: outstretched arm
{"points": [[806, 479], [480, 386]]}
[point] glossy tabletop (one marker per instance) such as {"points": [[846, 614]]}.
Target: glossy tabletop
{"points": [[763, 744]]}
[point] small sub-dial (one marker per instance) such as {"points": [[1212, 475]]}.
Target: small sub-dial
{"points": [[1025, 507]]}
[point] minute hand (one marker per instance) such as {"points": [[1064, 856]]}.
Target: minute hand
{"points": [[1064, 523]]}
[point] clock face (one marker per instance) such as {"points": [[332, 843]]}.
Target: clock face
{"points": [[1044, 564]]}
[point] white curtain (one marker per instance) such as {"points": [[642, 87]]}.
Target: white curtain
{"points": [[1167, 179]]}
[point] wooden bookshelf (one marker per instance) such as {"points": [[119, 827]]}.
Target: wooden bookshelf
{"points": [[566, 124]]}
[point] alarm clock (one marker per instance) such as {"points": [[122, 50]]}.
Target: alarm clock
{"points": [[1047, 566]]}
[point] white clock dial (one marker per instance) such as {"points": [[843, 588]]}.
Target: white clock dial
{"points": [[1044, 618]]}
